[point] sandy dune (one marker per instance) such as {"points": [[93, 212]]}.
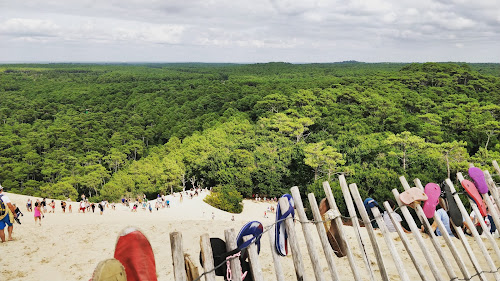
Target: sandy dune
{"points": [[68, 246]]}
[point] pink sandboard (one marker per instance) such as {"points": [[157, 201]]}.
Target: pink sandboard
{"points": [[474, 195], [433, 191], [478, 177]]}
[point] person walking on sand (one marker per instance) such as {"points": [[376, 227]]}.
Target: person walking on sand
{"points": [[101, 207], [63, 206], [38, 214], [6, 211], [52, 206], [44, 205], [28, 205]]}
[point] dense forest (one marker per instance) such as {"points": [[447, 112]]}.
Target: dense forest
{"points": [[111, 130]]}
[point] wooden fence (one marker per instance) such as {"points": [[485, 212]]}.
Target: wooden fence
{"points": [[440, 266]]}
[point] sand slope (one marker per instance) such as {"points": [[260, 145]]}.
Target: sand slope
{"points": [[68, 246]]}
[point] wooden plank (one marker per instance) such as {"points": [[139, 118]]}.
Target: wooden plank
{"points": [[235, 266], [178, 256], [207, 257], [253, 258], [292, 240], [435, 242], [327, 249], [478, 215], [278, 270], [474, 231], [311, 248], [406, 242], [390, 244], [447, 239], [418, 237], [355, 224], [493, 190], [368, 225]]}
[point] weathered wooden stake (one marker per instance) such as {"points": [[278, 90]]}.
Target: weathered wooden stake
{"points": [[253, 257], [369, 228], [355, 224], [327, 249], [230, 236], [388, 240], [178, 256], [406, 242], [313, 254], [292, 241], [207, 257], [278, 270]]}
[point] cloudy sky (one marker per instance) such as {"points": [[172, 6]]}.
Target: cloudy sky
{"points": [[249, 31]]}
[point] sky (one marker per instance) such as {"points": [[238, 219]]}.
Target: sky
{"points": [[296, 31]]}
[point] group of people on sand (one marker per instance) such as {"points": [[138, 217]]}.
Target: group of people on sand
{"points": [[39, 208]]}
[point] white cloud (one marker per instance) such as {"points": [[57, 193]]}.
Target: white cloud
{"points": [[307, 29]]}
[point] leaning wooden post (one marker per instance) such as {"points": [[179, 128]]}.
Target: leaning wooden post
{"points": [[406, 242], [327, 249], [278, 270], [207, 257], [230, 236], [418, 236], [435, 243], [492, 187], [355, 224], [497, 168], [178, 256], [473, 230], [392, 248], [476, 211], [253, 257], [369, 228], [292, 240], [299, 208], [448, 240], [486, 198]]}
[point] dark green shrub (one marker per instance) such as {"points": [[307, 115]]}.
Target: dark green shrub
{"points": [[226, 198]]}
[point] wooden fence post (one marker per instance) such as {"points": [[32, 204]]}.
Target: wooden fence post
{"points": [[369, 228], [390, 244], [301, 213], [292, 240], [253, 257], [207, 257], [235, 266], [406, 242], [178, 256], [355, 224], [278, 270], [327, 249]]}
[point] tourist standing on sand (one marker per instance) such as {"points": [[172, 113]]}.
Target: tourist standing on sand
{"points": [[28, 205], [6, 220], [44, 205], [82, 207], [53, 206], [63, 206], [38, 214], [101, 207]]}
